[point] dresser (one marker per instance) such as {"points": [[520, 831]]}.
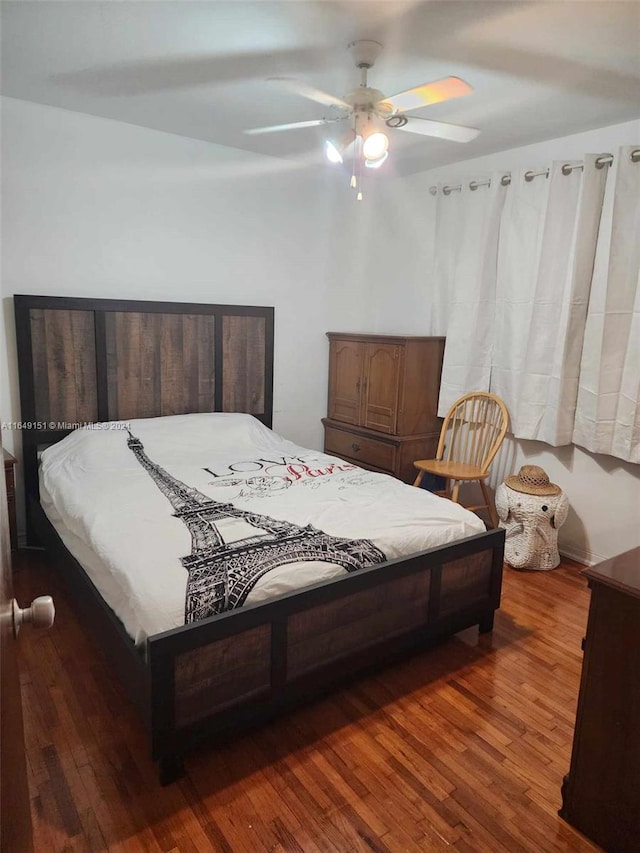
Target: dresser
{"points": [[601, 794], [383, 399]]}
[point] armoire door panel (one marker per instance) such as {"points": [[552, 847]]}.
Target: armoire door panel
{"points": [[346, 359], [383, 363]]}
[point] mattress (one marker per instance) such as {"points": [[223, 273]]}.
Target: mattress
{"points": [[128, 500]]}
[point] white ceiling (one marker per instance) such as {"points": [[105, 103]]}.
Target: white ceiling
{"points": [[199, 69]]}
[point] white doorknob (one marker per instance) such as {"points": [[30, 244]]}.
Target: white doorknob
{"points": [[41, 613]]}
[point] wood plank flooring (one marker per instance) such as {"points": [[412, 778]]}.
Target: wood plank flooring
{"points": [[463, 747]]}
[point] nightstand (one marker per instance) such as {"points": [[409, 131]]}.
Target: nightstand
{"points": [[9, 476]]}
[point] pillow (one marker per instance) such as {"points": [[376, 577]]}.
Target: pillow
{"points": [[104, 445]]}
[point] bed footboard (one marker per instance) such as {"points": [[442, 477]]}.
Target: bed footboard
{"points": [[243, 667]]}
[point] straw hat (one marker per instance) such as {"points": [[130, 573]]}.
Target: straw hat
{"points": [[532, 480]]}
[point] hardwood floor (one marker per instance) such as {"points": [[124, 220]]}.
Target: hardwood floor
{"points": [[463, 747]]}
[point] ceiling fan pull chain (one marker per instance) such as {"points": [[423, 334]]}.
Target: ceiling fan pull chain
{"points": [[353, 183]]}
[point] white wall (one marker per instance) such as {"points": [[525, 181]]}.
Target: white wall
{"points": [[94, 207], [604, 492]]}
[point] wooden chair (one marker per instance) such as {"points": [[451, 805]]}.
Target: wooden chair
{"points": [[471, 435]]}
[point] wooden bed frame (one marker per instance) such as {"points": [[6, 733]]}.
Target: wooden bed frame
{"points": [[90, 360]]}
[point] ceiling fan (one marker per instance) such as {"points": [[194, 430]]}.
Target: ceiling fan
{"points": [[365, 112]]}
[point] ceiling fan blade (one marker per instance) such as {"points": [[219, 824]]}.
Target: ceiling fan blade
{"points": [[275, 128], [439, 129], [310, 92], [429, 93], [186, 72]]}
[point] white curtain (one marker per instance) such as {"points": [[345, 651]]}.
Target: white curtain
{"points": [[608, 416], [545, 260], [447, 250], [473, 218]]}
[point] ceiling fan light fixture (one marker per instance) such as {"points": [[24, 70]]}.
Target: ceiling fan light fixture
{"points": [[375, 164], [375, 146], [334, 155], [335, 149]]}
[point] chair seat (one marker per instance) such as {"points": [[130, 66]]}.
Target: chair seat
{"points": [[451, 470]]}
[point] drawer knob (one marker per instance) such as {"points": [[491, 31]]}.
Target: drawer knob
{"points": [[355, 447]]}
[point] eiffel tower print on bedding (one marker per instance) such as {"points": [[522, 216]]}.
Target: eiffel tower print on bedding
{"points": [[221, 574]]}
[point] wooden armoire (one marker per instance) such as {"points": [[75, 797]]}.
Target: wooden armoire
{"points": [[383, 399]]}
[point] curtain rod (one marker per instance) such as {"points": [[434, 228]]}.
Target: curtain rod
{"points": [[505, 180]]}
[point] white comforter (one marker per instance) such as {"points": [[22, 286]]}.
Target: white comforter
{"points": [[117, 522]]}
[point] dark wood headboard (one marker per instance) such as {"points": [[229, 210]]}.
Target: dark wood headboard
{"points": [[89, 360]]}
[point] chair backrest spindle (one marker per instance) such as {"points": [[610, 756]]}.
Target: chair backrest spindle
{"points": [[473, 430]]}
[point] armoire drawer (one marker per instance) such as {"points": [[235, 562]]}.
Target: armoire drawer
{"points": [[360, 448]]}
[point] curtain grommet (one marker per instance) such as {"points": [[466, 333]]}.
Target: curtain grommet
{"points": [[529, 176], [603, 161]]}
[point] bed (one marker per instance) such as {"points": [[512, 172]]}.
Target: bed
{"points": [[154, 418]]}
